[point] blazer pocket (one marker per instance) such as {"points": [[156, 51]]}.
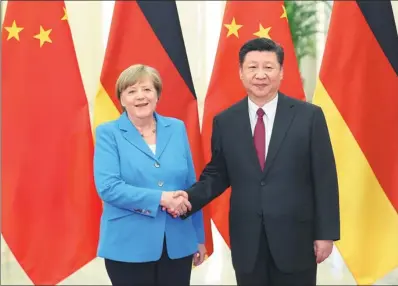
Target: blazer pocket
{"points": [[115, 214], [304, 214], [301, 218]]}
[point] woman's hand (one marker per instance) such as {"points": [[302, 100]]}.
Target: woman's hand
{"points": [[176, 205], [199, 256]]}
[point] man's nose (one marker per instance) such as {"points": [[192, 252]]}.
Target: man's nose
{"points": [[261, 74]]}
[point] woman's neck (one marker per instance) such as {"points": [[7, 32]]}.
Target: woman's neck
{"points": [[142, 123]]}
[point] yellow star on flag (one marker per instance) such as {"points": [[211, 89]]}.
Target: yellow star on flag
{"points": [[65, 17], [43, 36], [13, 31], [284, 14], [263, 33], [233, 28]]}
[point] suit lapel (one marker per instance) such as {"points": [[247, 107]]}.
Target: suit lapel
{"points": [[285, 112], [131, 134], [163, 135], [245, 132]]}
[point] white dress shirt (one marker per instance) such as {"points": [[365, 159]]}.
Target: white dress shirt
{"points": [[269, 118], [153, 148]]}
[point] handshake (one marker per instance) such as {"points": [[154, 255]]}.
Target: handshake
{"points": [[175, 203]]}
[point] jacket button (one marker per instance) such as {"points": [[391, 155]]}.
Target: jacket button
{"points": [[157, 165], [262, 183], [160, 183]]}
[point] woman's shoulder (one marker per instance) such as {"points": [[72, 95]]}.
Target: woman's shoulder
{"points": [[168, 120], [106, 127]]}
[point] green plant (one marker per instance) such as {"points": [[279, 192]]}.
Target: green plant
{"points": [[303, 23]]}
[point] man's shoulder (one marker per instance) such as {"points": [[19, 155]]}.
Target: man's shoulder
{"points": [[231, 110], [303, 105]]}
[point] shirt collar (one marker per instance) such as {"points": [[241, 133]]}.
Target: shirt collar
{"points": [[269, 108]]}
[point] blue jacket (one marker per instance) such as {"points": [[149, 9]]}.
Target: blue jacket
{"points": [[130, 179]]}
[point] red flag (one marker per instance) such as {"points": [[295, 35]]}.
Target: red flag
{"points": [[244, 20], [50, 209], [149, 33]]}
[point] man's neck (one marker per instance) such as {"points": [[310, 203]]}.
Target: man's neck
{"points": [[261, 101]]}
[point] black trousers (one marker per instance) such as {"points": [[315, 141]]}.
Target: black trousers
{"points": [[266, 273], [165, 271]]}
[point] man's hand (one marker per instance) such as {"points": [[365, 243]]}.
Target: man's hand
{"points": [[322, 249], [180, 193], [175, 204], [199, 256]]}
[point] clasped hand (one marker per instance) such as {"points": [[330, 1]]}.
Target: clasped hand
{"points": [[175, 203]]}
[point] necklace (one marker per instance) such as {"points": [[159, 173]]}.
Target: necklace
{"points": [[153, 132]]}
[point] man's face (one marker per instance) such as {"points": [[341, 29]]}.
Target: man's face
{"points": [[261, 74]]}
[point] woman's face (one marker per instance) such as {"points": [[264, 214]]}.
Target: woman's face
{"points": [[140, 99]]}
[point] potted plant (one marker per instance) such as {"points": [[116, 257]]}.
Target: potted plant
{"points": [[303, 23]]}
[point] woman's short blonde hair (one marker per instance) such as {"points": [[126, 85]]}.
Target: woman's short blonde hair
{"points": [[134, 74]]}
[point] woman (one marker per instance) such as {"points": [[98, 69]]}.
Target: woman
{"points": [[140, 159]]}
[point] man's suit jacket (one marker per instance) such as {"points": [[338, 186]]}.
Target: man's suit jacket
{"points": [[295, 198], [130, 180]]}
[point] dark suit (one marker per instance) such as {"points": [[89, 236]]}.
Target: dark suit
{"points": [[294, 201]]}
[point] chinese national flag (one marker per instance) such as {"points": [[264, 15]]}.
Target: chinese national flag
{"points": [[358, 91], [149, 32], [244, 20], [50, 209]]}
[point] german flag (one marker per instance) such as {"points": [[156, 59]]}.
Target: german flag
{"points": [[358, 91], [242, 21], [149, 32]]}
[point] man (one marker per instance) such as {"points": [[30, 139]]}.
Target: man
{"points": [[275, 153]]}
